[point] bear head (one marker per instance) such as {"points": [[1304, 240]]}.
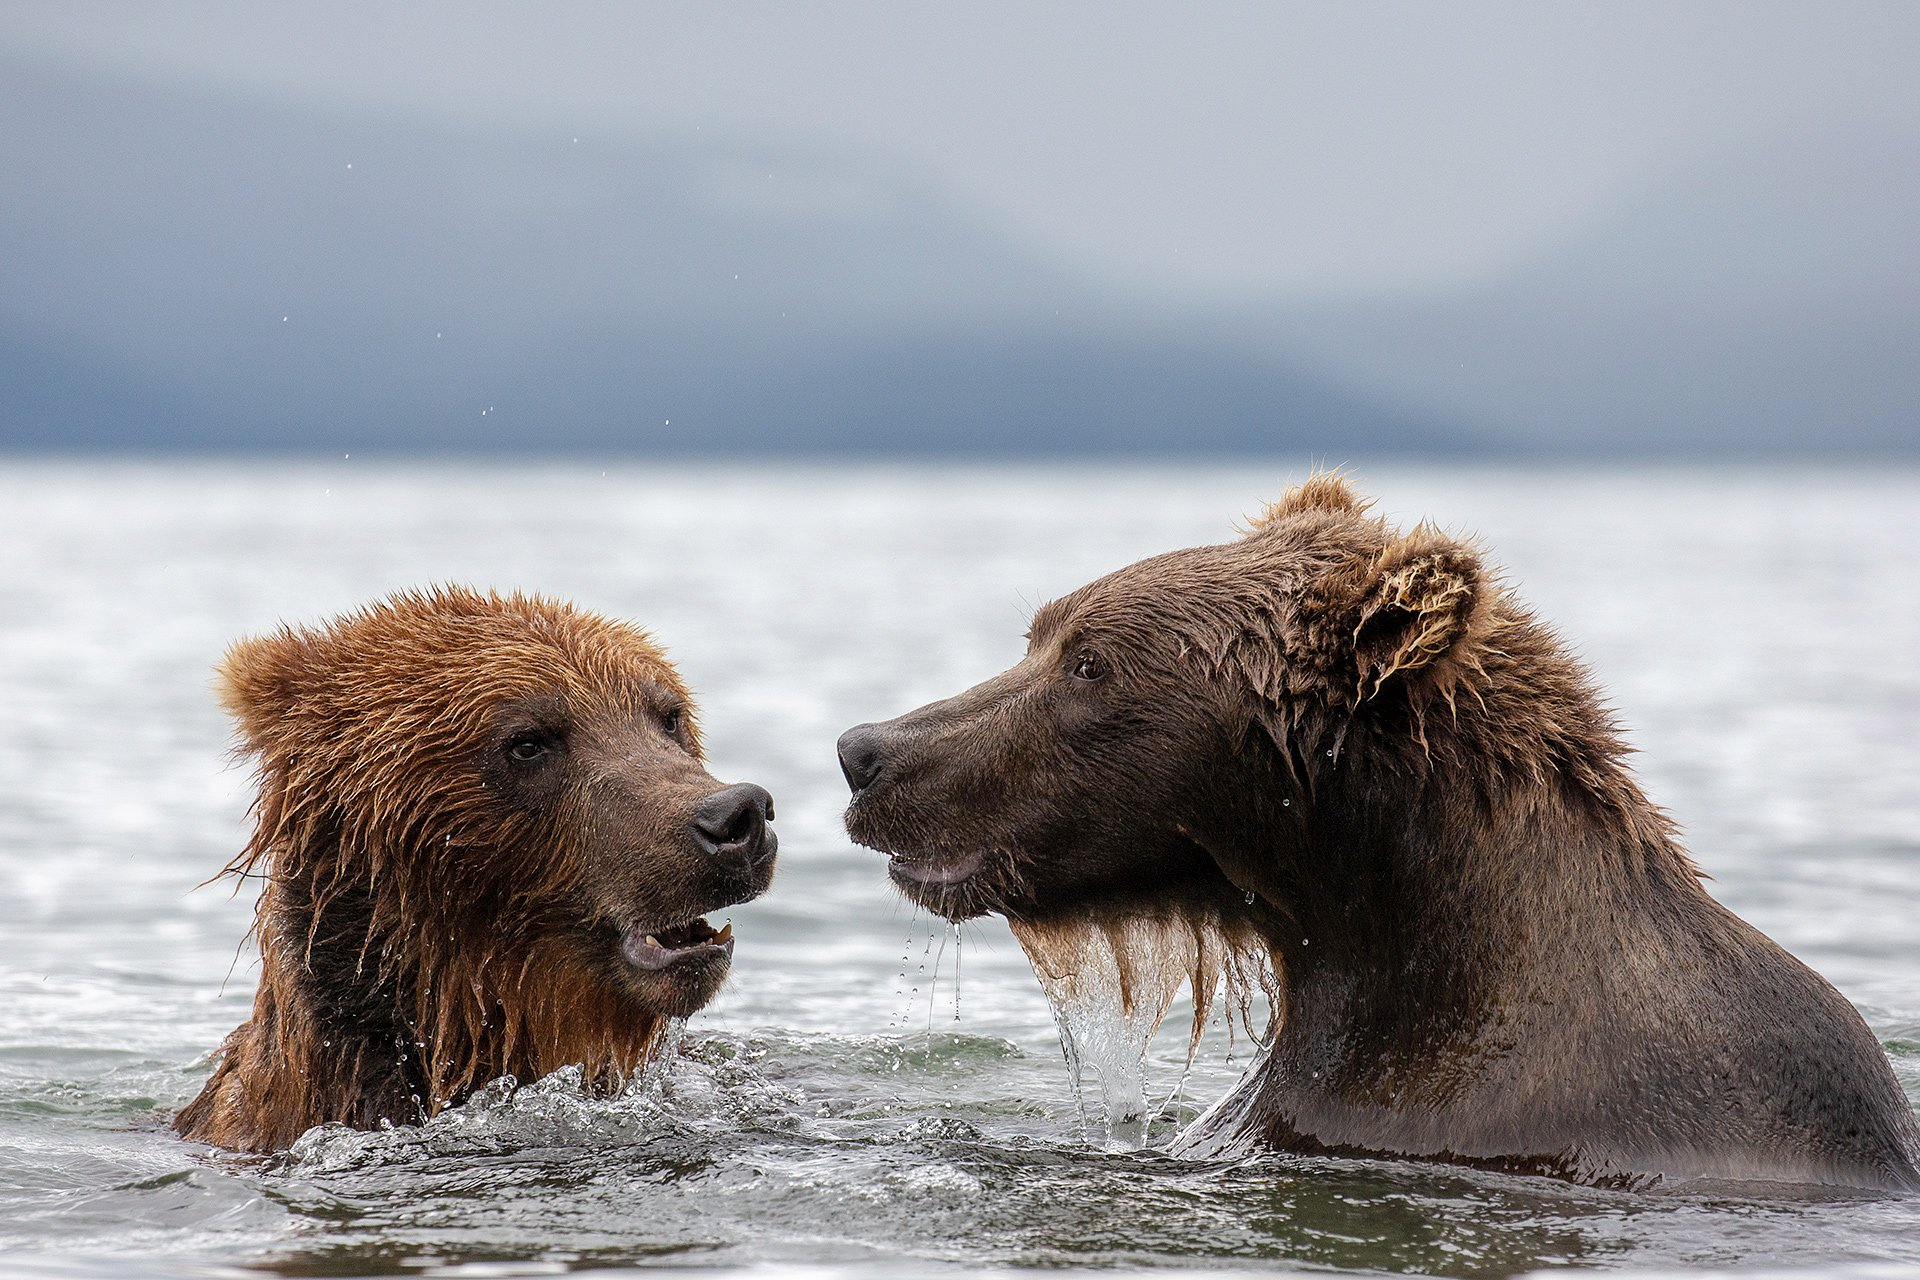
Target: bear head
{"points": [[493, 791], [1101, 773]]}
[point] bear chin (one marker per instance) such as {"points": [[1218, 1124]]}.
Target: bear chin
{"points": [[954, 882], [951, 887]]}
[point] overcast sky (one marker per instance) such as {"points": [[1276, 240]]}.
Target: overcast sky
{"points": [[1214, 148]]}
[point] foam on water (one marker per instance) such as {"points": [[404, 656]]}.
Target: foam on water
{"points": [[557, 1110]]}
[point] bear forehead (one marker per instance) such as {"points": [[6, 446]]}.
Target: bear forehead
{"points": [[498, 656], [485, 647], [1199, 586]]}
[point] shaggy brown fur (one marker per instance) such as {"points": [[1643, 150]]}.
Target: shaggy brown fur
{"points": [[473, 811], [1349, 743]]}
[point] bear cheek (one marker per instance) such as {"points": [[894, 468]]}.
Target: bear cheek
{"points": [[1147, 815], [640, 859], [1264, 859], [639, 862]]}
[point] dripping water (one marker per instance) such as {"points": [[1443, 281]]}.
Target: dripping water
{"points": [[1109, 987]]}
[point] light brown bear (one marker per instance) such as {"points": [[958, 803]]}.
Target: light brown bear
{"points": [[486, 842], [1348, 746]]}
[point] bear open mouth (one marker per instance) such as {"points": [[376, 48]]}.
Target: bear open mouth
{"points": [[660, 948]]}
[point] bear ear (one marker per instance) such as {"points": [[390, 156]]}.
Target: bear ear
{"points": [[1327, 491], [260, 680], [1416, 602]]}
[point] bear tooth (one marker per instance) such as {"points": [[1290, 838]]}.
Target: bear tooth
{"points": [[652, 941], [725, 934]]}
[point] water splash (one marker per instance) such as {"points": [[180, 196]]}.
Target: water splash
{"points": [[558, 1109], [1110, 985]]}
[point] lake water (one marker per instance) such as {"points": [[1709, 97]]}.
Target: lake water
{"points": [[872, 1094]]}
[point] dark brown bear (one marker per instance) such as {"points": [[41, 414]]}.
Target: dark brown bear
{"points": [[1350, 745], [487, 842]]}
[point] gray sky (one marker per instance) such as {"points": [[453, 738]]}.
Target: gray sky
{"points": [[1215, 149]]}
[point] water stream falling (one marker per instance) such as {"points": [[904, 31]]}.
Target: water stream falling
{"points": [[1110, 985]]}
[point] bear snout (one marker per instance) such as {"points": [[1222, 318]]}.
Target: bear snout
{"points": [[862, 757], [730, 825]]}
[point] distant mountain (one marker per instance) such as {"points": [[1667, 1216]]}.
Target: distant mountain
{"points": [[184, 269], [190, 270], [1766, 303]]}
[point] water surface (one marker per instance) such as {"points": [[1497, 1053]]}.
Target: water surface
{"points": [[847, 1103]]}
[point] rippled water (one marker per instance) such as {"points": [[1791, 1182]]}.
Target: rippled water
{"points": [[846, 1104]]}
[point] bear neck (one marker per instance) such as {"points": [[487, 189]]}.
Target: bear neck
{"points": [[336, 1006], [1437, 906], [1426, 908], [366, 1014]]}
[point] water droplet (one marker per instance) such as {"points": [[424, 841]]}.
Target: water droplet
{"points": [[1249, 897], [1286, 802]]}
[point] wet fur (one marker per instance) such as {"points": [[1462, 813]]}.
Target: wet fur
{"points": [[418, 937], [1138, 963], [1351, 743]]}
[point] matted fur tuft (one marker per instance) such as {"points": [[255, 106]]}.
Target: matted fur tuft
{"points": [[1134, 967], [1330, 492]]}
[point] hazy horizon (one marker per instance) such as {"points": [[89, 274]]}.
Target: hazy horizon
{"points": [[1670, 230]]}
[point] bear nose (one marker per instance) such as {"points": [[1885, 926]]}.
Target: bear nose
{"points": [[733, 820], [860, 756]]}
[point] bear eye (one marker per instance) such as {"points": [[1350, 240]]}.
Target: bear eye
{"points": [[671, 723], [525, 748], [1089, 668]]}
